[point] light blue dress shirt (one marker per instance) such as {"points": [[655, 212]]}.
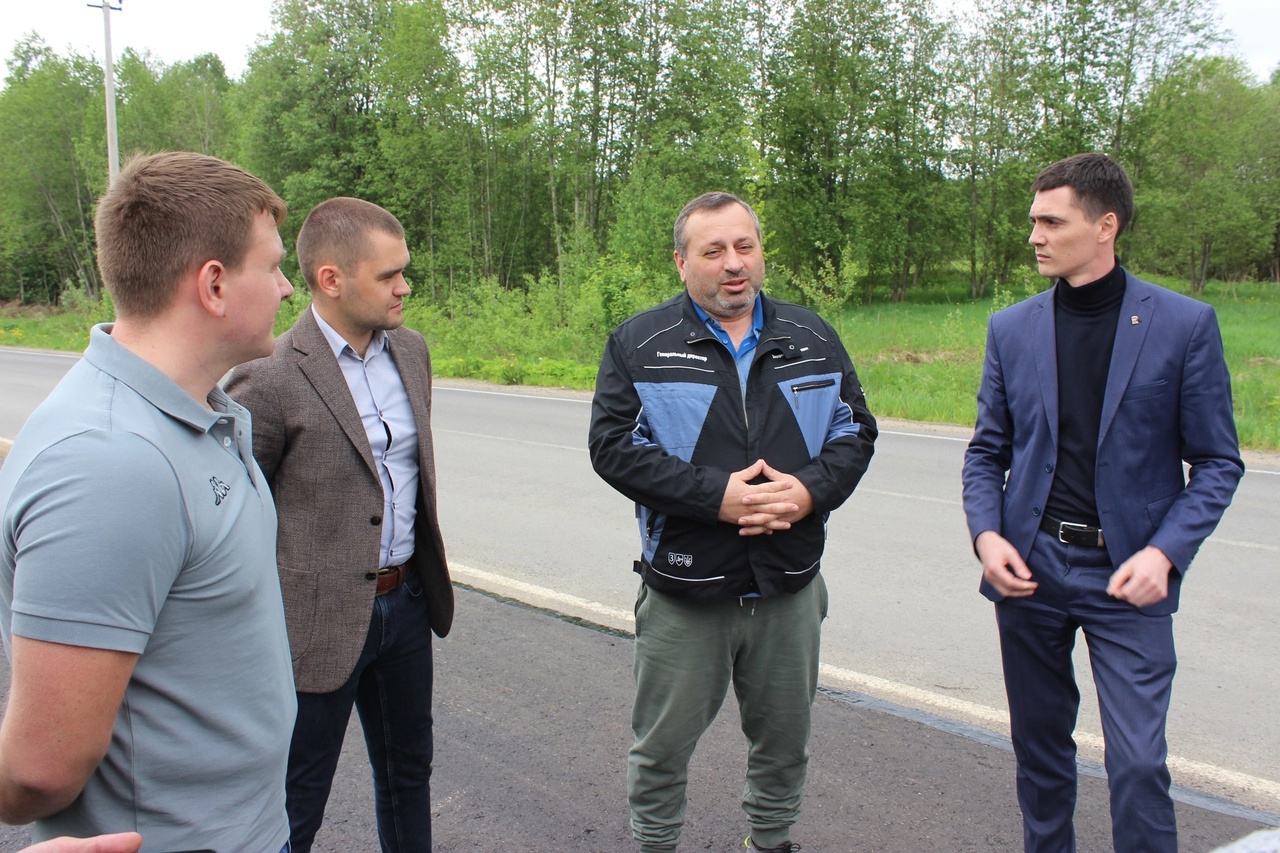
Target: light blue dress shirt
{"points": [[383, 404]]}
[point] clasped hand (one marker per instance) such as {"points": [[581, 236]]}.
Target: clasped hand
{"points": [[764, 507]]}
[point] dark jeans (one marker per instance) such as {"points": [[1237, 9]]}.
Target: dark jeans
{"points": [[391, 690], [1133, 661]]}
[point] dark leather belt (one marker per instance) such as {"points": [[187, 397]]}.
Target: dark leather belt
{"points": [[1070, 533], [390, 578]]}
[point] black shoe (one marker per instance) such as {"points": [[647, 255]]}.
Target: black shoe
{"points": [[784, 847]]}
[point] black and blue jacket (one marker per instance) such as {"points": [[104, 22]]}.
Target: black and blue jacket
{"points": [[669, 424]]}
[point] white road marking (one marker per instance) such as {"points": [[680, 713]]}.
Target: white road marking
{"points": [[905, 496], [881, 688], [439, 387], [75, 356], [905, 694], [1217, 540], [924, 435], [525, 441], [500, 583]]}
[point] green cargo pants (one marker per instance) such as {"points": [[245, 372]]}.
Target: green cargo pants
{"points": [[686, 654]]}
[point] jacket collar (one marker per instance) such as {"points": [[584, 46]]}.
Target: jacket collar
{"points": [[696, 330], [1136, 313]]}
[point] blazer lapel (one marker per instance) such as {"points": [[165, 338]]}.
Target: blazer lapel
{"points": [[322, 371], [1044, 343], [1136, 314], [413, 374]]}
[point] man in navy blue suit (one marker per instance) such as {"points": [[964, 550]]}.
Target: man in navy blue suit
{"points": [[1093, 396]]}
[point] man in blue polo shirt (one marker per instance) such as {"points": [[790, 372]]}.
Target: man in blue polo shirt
{"points": [[151, 685]]}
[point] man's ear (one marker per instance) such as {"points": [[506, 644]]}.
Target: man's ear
{"points": [[211, 281], [1109, 227], [329, 280]]}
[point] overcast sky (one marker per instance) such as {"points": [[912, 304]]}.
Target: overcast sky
{"points": [[176, 30]]}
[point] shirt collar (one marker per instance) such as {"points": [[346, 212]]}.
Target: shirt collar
{"points": [[757, 319], [338, 344], [149, 382]]}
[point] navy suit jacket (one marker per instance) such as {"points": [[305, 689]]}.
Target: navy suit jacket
{"points": [[1167, 401]]}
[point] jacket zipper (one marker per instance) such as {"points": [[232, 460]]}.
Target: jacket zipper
{"points": [[809, 386]]}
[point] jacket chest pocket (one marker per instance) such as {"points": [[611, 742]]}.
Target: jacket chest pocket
{"points": [[813, 401], [798, 388], [1144, 392]]}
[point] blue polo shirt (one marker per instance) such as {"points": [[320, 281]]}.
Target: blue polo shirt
{"points": [[135, 519]]}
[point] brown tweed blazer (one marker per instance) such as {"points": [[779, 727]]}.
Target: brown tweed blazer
{"points": [[310, 443]]}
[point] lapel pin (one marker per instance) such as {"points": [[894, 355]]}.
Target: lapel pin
{"points": [[1133, 321]]}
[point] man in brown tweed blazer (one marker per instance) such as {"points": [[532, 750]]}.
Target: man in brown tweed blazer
{"points": [[342, 430]]}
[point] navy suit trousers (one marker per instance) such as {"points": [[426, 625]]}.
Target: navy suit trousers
{"points": [[1133, 662]]}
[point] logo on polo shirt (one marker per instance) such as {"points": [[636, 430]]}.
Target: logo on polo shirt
{"points": [[220, 490]]}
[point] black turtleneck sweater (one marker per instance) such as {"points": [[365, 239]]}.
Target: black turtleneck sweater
{"points": [[1086, 319]]}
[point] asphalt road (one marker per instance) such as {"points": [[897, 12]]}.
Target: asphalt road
{"points": [[523, 513], [533, 724], [26, 377], [524, 516]]}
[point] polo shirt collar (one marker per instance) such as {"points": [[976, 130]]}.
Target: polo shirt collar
{"points": [[147, 380]]}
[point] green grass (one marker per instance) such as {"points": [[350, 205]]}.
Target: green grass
{"points": [[1251, 337], [53, 331], [924, 362], [920, 360]]}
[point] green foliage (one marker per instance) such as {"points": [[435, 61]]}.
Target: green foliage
{"points": [[1024, 282], [46, 197], [831, 286], [292, 307], [1208, 203], [537, 153], [920, 360], [514, 137], [181, 106]]}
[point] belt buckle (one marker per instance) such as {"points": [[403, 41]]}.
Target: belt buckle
{"points": [[1069, 525], [393, 572], [1063, 526]]}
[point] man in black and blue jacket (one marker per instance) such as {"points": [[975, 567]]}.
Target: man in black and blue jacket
{"points": [[737, 424]]}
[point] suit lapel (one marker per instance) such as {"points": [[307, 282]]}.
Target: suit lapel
{"points": [[1137, 306], [318, 364], [1044, 344], [413, 374]]}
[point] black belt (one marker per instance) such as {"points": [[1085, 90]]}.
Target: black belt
{"points": [[1070, 533]]}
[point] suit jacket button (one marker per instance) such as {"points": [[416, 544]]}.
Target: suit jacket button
{"points": [[376, 520], [371, 576], [1035, 510], [1048, 467]]}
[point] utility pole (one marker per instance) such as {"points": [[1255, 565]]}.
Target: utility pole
{"points": [[109, 76]]}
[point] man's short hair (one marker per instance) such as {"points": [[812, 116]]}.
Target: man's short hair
{"points": [[1100, 184], [337, 232], [168, 214], [707, 201]]}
